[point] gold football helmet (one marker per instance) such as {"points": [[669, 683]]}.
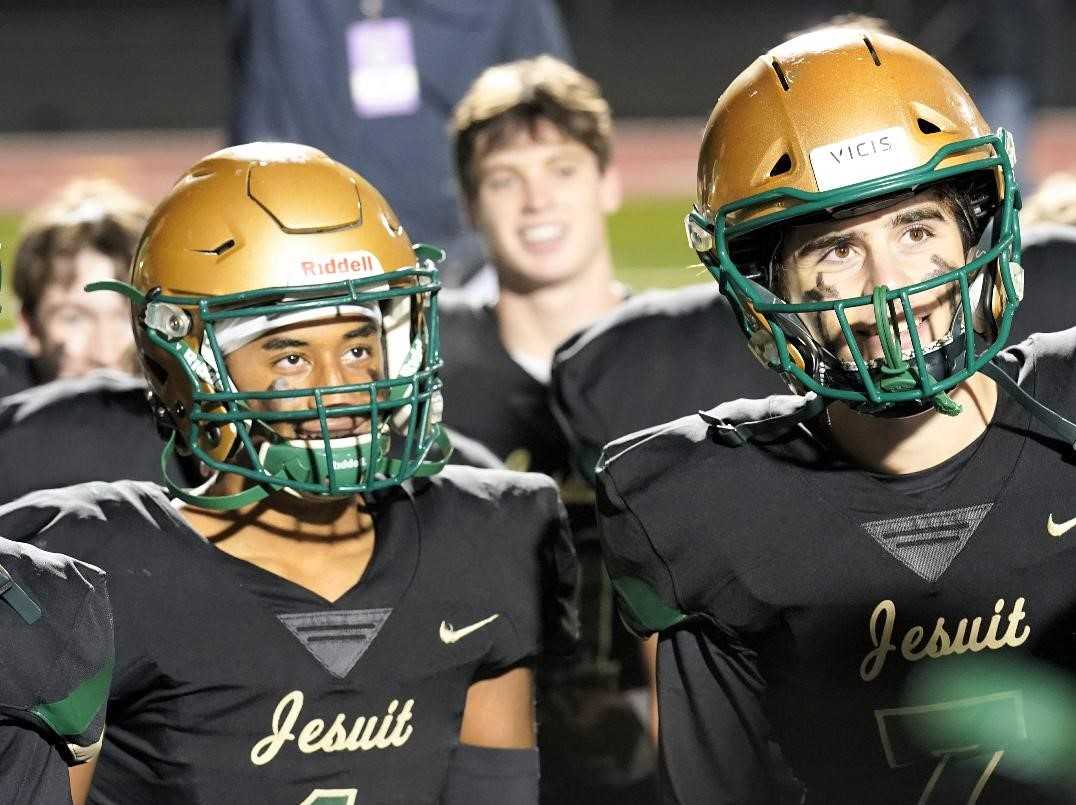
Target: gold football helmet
{"points": [[255, 237], [837, 123]]}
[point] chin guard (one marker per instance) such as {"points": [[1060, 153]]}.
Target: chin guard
{"points": [[896, 374], [290, 462]]}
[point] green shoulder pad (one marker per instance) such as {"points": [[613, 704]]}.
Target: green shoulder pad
{"points": [[71, 716], [642, 609]]}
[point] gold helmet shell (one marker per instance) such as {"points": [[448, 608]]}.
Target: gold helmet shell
{"points": [[255, 216], [829, 89]]}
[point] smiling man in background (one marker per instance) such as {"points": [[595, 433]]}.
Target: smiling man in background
{"points": [[533, 145]]}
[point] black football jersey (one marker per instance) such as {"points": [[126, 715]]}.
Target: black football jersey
{"points": [[93, 428], [235, 685], [1049, 303], [660, 355], [491, 398], [864, 640], [55, 667]]}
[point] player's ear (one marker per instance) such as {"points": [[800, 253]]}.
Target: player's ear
{"points": [[28, 333], [611, 190]]}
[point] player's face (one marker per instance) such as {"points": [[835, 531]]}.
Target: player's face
{"points": [[74, 332], [907, 243], [338, 352], [541, 205]]}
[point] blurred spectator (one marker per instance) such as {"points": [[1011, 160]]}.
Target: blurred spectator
{"points": [[1052, 205], [859, 22], [372, 83], [1048, 224], [87, 232], [533, 142]]}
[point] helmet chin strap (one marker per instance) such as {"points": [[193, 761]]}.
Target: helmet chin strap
{"points": [[897, 374]]}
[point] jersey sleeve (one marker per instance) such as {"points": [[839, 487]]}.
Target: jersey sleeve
{"points": [[642, 581], [714, 733], [534, 576], [58, 675], [714, 737], [33, 771]]}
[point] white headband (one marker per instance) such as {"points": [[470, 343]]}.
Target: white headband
{"points": [[235, 333]]}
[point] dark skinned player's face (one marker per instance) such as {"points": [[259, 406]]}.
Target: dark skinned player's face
{"points": [[898, 246], [335, 352]]}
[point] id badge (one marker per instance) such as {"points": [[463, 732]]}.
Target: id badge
{"points": [[381, 60]]}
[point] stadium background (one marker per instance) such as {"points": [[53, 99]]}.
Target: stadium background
{"points": [[137, 90]]}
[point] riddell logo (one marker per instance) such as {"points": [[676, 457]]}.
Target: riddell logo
{"points": [[340, 266]]}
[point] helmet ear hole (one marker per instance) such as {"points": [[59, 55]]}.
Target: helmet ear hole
{"points": [[764, 347]]}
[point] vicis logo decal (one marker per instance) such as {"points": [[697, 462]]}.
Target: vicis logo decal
{"points": [[866, 156]]}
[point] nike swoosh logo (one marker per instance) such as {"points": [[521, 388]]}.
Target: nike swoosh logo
{"points": [[1057, 529], [450, 635]]}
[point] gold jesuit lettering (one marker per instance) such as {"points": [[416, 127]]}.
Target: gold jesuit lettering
{"points": [[969, 635], [386, 731]]}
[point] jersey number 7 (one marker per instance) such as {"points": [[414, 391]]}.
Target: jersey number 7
{"points": [[331, 796], [951, 732]]}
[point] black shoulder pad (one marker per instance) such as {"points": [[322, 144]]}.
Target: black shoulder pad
{"points": [[68, 391], [690, 427], [739, 421]]}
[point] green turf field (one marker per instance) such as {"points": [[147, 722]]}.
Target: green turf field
{"points": [[8, 227], [649, 248]]}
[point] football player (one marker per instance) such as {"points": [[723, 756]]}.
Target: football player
{"points": [[533, 142], [56, 625], [855, 585], [326, 620], [88, 232]]}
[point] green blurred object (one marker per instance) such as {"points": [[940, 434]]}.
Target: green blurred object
{"points": [[987, 703], [649, 248], [9, 227]]}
